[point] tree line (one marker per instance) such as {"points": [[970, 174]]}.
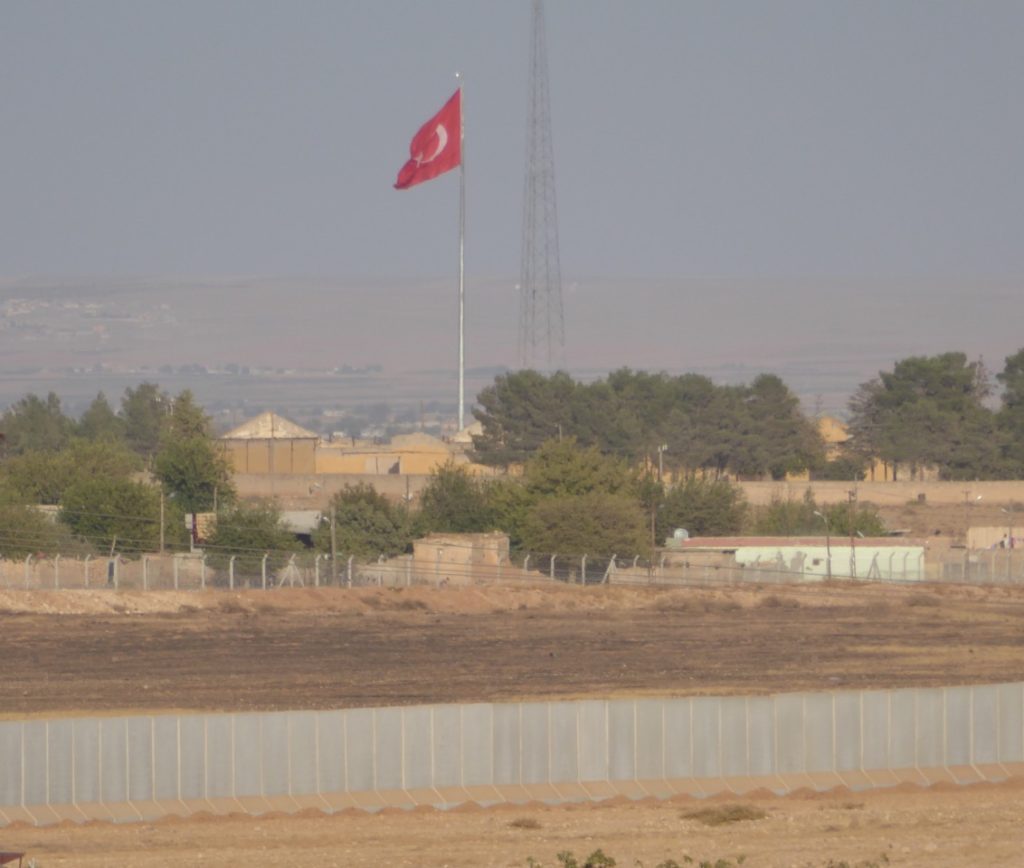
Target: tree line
{"points": [[929, 411], [122, 480]]}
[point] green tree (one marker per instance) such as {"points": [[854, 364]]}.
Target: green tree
{"points": [[187, 419], [193, 469], [788, 517], [100, 422], [519, 412], [43, 477], [598, 524], [777, 438], [145, 410], [508, 504], [249, 531], [33, 424], [805, 518], [704, 507], [1011, 413], [563, 467], [454, 501], [930, 411], [367, 524], [107, 512], [26, 531]]}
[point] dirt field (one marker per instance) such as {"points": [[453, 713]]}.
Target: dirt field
{"points": [[77, 652], [74, 652]]}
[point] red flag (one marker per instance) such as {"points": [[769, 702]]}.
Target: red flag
{"points": [[436, 148]]}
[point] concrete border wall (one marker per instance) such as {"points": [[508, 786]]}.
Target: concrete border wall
{"points": [[142, 768]]}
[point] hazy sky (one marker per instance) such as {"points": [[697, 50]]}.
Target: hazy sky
{"points": [[781, 139]]}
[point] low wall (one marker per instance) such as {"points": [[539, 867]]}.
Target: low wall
{"points": [[885, 493], [142, 768]]}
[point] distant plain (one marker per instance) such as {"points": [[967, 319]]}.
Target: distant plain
{"points": [[296, 336]]}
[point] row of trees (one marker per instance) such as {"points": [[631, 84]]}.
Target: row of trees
{"points": [[929, 411], [122, 479], [693, 424]]}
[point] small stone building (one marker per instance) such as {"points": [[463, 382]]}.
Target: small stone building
{"points": [[461, 558]]}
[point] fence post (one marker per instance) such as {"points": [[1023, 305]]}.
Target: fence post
{"points": [[553, 558], [380, 572], [145, 572], [177, 563], [316, 571], [526, 564], [87, 558], [661, 567], [56, 571], [28, 568], [231, 572], [117, 572], [202, 573], [609, 570], [408, 572], [499, 567], [263, 571], [636, 559], [348, 571], [583, 570]]}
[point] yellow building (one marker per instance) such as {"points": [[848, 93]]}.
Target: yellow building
{"points": [[273, 445], [270, 444]]}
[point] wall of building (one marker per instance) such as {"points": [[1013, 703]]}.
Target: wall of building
{"points": [[270, 456], [143, 768], [885, 493], [457, 558]]}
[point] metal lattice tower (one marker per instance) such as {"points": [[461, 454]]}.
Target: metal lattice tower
{"points": [[541, 327]]}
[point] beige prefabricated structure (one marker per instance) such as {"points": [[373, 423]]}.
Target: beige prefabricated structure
{"points": [[459, 558], [274, 446], [270, 444]]}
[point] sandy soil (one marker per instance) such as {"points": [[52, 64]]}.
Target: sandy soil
{"points": [[74, 652], [935, 828]]}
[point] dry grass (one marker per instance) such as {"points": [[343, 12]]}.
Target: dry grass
{"points": [[773, 601], [720, 815], [524, 823]]}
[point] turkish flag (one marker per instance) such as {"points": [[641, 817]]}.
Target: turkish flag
{"points": [[436, 148]]}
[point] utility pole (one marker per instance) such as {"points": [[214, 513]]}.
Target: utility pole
{"points": [[852, 495], [334, 546], [828, 545]]}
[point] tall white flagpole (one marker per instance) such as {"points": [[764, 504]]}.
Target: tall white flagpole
{"points": [[462, 245]]}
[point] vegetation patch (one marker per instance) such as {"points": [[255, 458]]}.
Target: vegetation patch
{"points": [[722, 814]]}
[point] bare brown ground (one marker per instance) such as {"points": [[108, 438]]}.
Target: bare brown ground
{"points": [[97, 651], [101, 652], [935, 828]]}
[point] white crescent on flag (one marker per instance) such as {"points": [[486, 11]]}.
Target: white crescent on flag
{"points": [[442, 142]]}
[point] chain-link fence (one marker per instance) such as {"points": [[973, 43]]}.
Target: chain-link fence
{"points": [[199, 571]]}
